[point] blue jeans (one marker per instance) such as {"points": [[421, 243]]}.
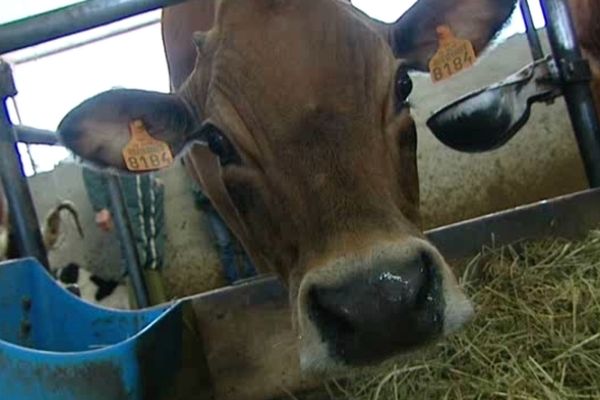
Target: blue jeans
{"points": [[235, 262]]}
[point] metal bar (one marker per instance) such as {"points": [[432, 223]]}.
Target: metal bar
{"points": [[72, 19], [23, 218], [575, 76], [571, 216], [123, 225], [532, 36], [29, 135], [71, 46], [27, 147]]}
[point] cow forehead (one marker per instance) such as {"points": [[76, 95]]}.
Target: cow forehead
{"points": [[311, 52], [332, 30], [241, 10]]}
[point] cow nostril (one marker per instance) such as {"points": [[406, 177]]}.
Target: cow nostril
{"points": [[428, 282], [408, 288], [391, 307], [328, 313]]}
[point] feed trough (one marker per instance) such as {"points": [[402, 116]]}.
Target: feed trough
{"points": [[55, 346]]}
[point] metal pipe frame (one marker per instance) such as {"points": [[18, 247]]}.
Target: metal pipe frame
{"points": [[130, 254], [533, 38], [72, 19], [26, 134], [71, 46], [571, 217], [23, 218], [575, 75]]}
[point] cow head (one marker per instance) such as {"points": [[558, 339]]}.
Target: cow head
{"points": [[307, 148]]}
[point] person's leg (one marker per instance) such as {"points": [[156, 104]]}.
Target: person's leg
{"points": [[133, 304], [154, 284], [248, 268], [156, 289], [225, 245]]}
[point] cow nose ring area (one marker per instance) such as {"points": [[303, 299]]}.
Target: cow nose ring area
{"points": [[383, 310]]}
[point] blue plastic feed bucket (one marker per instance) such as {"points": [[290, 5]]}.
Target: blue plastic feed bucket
{"points": [[54, 346]]}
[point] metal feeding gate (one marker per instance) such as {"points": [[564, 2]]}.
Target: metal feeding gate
{"points": [[227, 343]]}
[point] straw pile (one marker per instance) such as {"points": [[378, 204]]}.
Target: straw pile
{"points": [[536, 335]]}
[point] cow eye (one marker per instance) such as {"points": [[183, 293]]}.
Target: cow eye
{"points": [[403, 86], [220, 145]]}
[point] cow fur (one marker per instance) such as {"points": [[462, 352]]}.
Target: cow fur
{"points": [[586, 14], [305, 91]]}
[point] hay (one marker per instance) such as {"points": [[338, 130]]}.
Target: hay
{"points": [[536, 334]]}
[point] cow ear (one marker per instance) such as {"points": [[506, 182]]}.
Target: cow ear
{"points": [[414, 37], [104, 129]]}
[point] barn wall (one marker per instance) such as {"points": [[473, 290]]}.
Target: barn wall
{"points": [[540, 162], [192, 263]]}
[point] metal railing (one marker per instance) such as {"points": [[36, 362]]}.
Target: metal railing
{"points": [[61, 48], [72, 19], [23, 218], [29, 32], [575, 76]]}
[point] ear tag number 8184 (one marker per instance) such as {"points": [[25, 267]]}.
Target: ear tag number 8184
{"points": [[143, 152], [453, 55]]}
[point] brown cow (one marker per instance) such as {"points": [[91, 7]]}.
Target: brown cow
{"points": [[306, 146], [586, 14]]}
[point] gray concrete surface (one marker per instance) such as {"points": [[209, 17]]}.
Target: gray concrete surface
{"points": [[540, 162]]}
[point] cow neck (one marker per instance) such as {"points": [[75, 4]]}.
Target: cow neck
{"points": [[207, 171]]}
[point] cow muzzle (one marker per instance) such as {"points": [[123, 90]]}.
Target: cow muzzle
{"points": [[362, 312]]}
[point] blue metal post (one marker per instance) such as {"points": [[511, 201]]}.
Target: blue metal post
{"points": [[23, 218], [575, 76]]}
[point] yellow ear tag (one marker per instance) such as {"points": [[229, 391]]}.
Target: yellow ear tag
{"points": [[453, 55], [143, 152]]}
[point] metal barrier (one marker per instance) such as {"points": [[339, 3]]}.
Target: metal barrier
{"points": [[23, 217], [532, 37], [72, 19], [575, 75], [30, 135], [116, 31]]}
